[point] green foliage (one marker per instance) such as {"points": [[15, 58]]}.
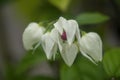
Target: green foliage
{"points": [[37, 10], [29, 60], [9, 71], [111, 62], [91, 18], [83, 69], [60, 4]]}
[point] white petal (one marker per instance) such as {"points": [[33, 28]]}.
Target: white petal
{"points": [[56, 37], [87, 56], [60, 44], [91, 45], [54, 51], [54, 34], [32, 35], [78, 36], [69, 53], [70, 30], [49, 45], [60, 23]]}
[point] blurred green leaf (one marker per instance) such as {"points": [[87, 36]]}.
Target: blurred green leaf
{"points": [[60, 4], [9, 74], [91, 18], [69, 73], [36, 10], [29, 60], [83, 69], [111, 62]]}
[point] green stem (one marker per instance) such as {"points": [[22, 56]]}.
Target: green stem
{"points": [[50, 26]]}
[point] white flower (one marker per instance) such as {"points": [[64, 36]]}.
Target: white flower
{"points": [[32, 35], [91, 47], [70, 27], [68, 30], [49, 43]]}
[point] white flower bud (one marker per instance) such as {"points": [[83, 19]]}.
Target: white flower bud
{"points": [[32, 35], [91, 47]]}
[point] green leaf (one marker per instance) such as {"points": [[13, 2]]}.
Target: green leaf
{"points": [[29, 60], [82, 69], [91, 18], [111, 62], [60, 4]]}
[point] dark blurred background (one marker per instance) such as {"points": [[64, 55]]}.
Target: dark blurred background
{"points": [[15, 15]]}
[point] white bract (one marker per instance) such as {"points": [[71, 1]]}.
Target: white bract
{"points": [[91, 47], [32, 35], [68, 30], [69, 53], [49, 43]]}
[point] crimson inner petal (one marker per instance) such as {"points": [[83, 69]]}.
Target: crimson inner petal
{"points": [[63, 36]]}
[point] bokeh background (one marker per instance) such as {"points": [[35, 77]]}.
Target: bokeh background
{"points": [[101, 16]]}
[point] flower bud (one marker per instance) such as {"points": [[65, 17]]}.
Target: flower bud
{"points": [[91, 47], [32, 35]]}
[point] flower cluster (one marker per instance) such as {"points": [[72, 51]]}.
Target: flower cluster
{"points": [[65, 37]]}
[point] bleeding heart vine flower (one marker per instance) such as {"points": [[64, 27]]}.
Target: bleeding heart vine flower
{"points": [[68, 30], [32, 35], [91, 47]]}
